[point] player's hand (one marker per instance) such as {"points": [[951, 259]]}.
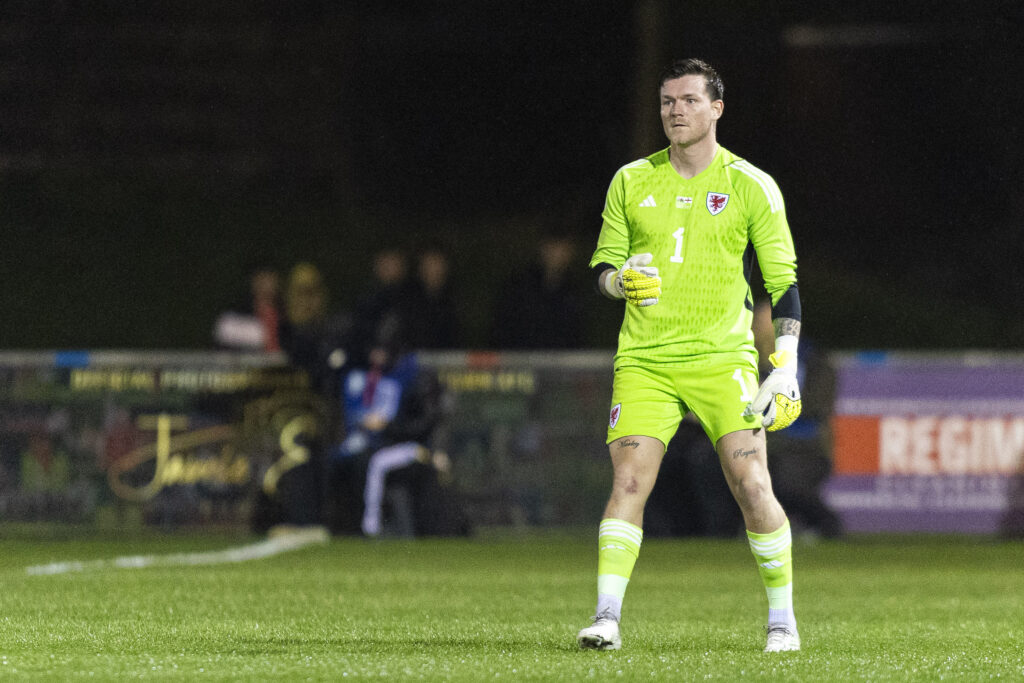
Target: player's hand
{"points": [[778, 400], [637, 281], [374, 422]]}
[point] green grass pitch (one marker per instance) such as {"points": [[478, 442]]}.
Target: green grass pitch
{"points": [[507, 606]]}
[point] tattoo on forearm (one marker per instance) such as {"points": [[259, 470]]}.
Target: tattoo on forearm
{"points": [[740, 453], [626, 443], [786, 326]]}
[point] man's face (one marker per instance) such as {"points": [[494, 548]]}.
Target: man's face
{"points": [[687, 113], [389, 267], [433, 270]]}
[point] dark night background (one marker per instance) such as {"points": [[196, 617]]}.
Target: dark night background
{"points": [[148, 157]]}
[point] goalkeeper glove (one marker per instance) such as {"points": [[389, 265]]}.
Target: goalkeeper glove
{"points": [[778, 400], [637, 281]]}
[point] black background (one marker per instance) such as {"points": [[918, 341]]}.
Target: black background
{"points": [[148, 157]]}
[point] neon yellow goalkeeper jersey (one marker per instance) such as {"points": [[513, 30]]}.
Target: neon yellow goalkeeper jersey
{"points": [[700, 231]]}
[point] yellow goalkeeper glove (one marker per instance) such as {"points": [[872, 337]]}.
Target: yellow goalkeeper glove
{"points": [[778, 400], [637, 281]]}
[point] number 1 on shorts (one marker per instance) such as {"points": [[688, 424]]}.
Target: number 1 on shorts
{"points": [[744, 394]]}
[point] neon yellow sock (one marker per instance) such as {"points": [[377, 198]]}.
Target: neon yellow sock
{"points": [[774, 555], [618, 547]]}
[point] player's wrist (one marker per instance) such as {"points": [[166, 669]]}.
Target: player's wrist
{"points": [[785, 356], [612, 285]]}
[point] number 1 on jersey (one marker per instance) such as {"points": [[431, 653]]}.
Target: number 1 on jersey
{"points": [[678, 256]]}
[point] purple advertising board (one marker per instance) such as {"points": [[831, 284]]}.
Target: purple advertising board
{"points": [[929, 442]]}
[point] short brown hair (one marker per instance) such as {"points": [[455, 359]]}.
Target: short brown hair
{"points": [[694, 67]]}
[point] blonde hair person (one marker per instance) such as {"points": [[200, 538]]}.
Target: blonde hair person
{"points": [[305, 295]]}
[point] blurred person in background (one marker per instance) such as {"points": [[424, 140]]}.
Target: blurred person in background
{"points": [[430, 308], [385, 476], [680, 228], [45, 479], [541, 306], [388, 292], [44, 468], [690, 496], [312, 337], [255, 325], [801, 460], [312, 334]]}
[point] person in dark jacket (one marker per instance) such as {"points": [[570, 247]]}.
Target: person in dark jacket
{"points": [[431, 309], [541, 307], [386, 462]]}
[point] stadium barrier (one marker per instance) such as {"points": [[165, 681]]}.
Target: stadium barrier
{"points": [[166, 437], [925, 442], [171, 438]]}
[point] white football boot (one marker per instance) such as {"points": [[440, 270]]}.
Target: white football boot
{"points": [[782, 639], [603, 634]]}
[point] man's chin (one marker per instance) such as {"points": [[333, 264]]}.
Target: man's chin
{"points": [[687, 139]]}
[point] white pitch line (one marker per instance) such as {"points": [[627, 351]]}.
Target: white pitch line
{"points": [[255, 551]]}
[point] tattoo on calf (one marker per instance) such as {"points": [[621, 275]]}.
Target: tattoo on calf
{"points": [[632, 487]]}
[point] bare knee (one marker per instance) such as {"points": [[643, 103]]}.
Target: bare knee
{"points": [[631, 484], [636, 461], [752, 492]]}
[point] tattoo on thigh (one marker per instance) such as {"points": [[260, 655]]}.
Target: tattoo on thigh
{"points": [[626, 443], [740, 453]]}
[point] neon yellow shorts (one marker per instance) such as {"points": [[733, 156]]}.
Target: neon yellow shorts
{"points": [[651, 400]]}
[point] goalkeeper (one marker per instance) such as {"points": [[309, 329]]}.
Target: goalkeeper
{"points": [[680, 229]]}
